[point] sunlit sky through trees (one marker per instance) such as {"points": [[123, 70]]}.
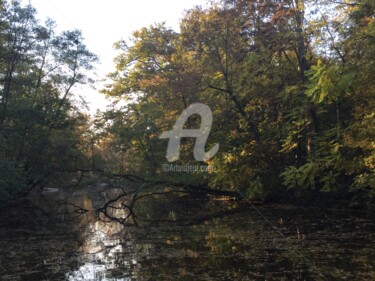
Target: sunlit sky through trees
{"points": [[106, 22]]}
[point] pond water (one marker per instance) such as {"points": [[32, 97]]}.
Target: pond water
{"points": [[172, 237]]}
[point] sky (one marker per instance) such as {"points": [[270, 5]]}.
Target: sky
{"points": [[106, 22]]}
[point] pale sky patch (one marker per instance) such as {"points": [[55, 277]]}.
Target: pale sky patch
{"points": [[106, 22]]}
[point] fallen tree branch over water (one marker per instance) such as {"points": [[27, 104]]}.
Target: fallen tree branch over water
{"points": [[129, 201], [198, 189]]}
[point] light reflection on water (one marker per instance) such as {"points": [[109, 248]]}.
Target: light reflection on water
{"points": [[92, 271], [100, 245], [234, 247]]}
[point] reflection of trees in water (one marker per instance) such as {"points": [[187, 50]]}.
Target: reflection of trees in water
{"points": [[178, 234], [111, 238]]}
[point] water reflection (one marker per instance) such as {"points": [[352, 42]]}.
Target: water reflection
{"points": [[183, 239]]}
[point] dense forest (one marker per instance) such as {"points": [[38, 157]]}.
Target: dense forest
{"points": [[291, 86]]}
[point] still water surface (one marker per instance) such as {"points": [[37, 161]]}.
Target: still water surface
{"points": [[182, 239]]}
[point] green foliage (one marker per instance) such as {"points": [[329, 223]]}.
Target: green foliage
{"points": [[302, 177], [292, 99], [330, 84], [12, 181], [291, 90], [41, 128]]}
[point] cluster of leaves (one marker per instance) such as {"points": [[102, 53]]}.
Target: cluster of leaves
{"points": [[42, 132], [290, 84]]}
